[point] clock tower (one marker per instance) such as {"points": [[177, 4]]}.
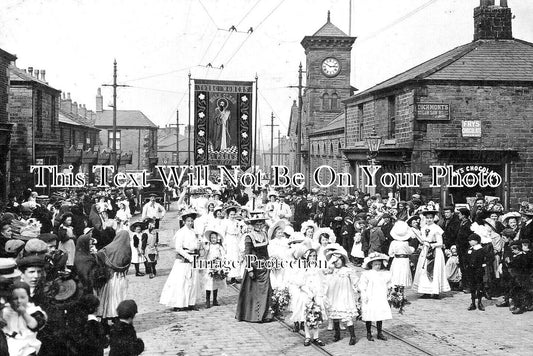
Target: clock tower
{"points": [[328, 67]]}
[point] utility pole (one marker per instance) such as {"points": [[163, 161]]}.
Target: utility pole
{"points": [[299, 124], [271, 140], [178, 137], [189, 128], [115, 86], [279, 148]]}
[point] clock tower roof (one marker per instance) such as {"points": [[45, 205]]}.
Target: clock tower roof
{"points": [[329, 30]]}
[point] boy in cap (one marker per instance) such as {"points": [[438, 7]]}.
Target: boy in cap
{"points": [[123, 338], [476, 260]]}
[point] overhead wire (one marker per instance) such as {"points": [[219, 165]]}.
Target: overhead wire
{"points": [[208, 14]]}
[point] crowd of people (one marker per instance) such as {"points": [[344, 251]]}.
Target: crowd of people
{"points": [[399, 245], [63, 266], [322, 258]]}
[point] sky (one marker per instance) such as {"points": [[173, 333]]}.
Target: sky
{"points": [[158, 42]]}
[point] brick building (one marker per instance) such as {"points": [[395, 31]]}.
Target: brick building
{"points": [[5, 127], [469, 107], [79, 136], [34, 113], [136, 136], [327, 84], [167, 148]]}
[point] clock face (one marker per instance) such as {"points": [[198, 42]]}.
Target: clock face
{"points": [[331, 67]]}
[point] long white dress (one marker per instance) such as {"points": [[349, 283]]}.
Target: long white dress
{"points": [[181, 288], [342, 294], [232, 243], [279, 248], [400, 268], [438, 282], [214, 251], [374, 287], [310, 285]]}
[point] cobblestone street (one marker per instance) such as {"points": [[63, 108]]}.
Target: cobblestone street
{"points": [[442, 327]]}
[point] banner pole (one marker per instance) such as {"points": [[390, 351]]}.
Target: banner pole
{"points": [[255, 134], [189, 140]]}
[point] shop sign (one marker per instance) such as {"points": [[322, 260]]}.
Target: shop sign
{"points": [[39, 161], [432, 111], [471, 128]]}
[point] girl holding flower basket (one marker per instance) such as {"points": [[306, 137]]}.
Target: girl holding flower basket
{"points": [[341, 293], [215, 278], [312, 289]]}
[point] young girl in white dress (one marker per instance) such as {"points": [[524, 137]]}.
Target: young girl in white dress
{"points": [[213, 251], [341, 292], [374, 286], [400, 251]]}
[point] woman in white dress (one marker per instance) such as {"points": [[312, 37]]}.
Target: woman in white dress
{"points": [[430, 276], [123, 215], [181, 288], [232, 244], [400, 251]]}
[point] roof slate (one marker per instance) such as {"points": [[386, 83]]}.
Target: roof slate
{"points": [[482, 60], [335, 124], [125, 118], [329, 30]]}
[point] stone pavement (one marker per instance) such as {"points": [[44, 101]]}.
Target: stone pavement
{"points": [[441, 327]]}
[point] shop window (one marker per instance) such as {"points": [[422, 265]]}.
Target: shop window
{"points": [[318, 150], [110, 139], [361, 130], [331, 149], [392, 117]]}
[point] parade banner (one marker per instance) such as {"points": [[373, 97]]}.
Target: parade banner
{"points": [[222, 130]]}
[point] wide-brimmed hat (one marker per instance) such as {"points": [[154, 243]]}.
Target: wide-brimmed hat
{"points": [[511, 214], [527, 212], [425, 210], [280, 224], [256, 218], [324, 230], [288, 230], [14, 246], [8, 268], [209, 231], [401, 231], [137, 224], [31, 261], [375, 256], [335, 249], [87, 230], [235, 208], [414, 217], [296, 237], [307, 224], [188, 213], [299, 249], [218, 208], [66, 288], [36, 246]]}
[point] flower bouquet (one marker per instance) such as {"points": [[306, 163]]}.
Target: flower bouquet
{"points": [[218, 273], [313, 315], [279, 301], [397, 298]]}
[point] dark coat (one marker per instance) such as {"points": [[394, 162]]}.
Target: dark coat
{"points": [[301, 211], [526, 232], [462, 237], [450, 227], [347, 235], [124, 341]]}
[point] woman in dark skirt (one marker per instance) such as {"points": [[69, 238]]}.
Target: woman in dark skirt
{"points": [[254, 297]]}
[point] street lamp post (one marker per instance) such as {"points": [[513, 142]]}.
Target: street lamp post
{"points": [[373, 142]]}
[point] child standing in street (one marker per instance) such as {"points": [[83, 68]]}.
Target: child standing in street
{"points": [[476, 260], [341, 292], [374, 286], [215, 279], [149, 246], [123, 339], [400, 251]]}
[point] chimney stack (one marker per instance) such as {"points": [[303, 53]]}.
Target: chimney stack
{"points": [[37, 73], [99, 101], [66, 103], [82, 111], [30, 71], [43, 75], [74, 108], [492, 22]]}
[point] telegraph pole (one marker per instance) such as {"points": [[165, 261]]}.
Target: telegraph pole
{"points": [[189, 128], [178, 137], [279, 148], [115, 86], [271, 140], [299, 124]]}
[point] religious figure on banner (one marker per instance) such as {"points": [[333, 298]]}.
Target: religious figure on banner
{"points": [[220, 135]]}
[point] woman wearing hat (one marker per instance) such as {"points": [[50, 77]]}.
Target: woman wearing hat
{"points": [[430, 275], [138, 239], [66, 237], [123, 215], [180, 289], [374, 286], [256, 292], [400, 251], [116, 257]]}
